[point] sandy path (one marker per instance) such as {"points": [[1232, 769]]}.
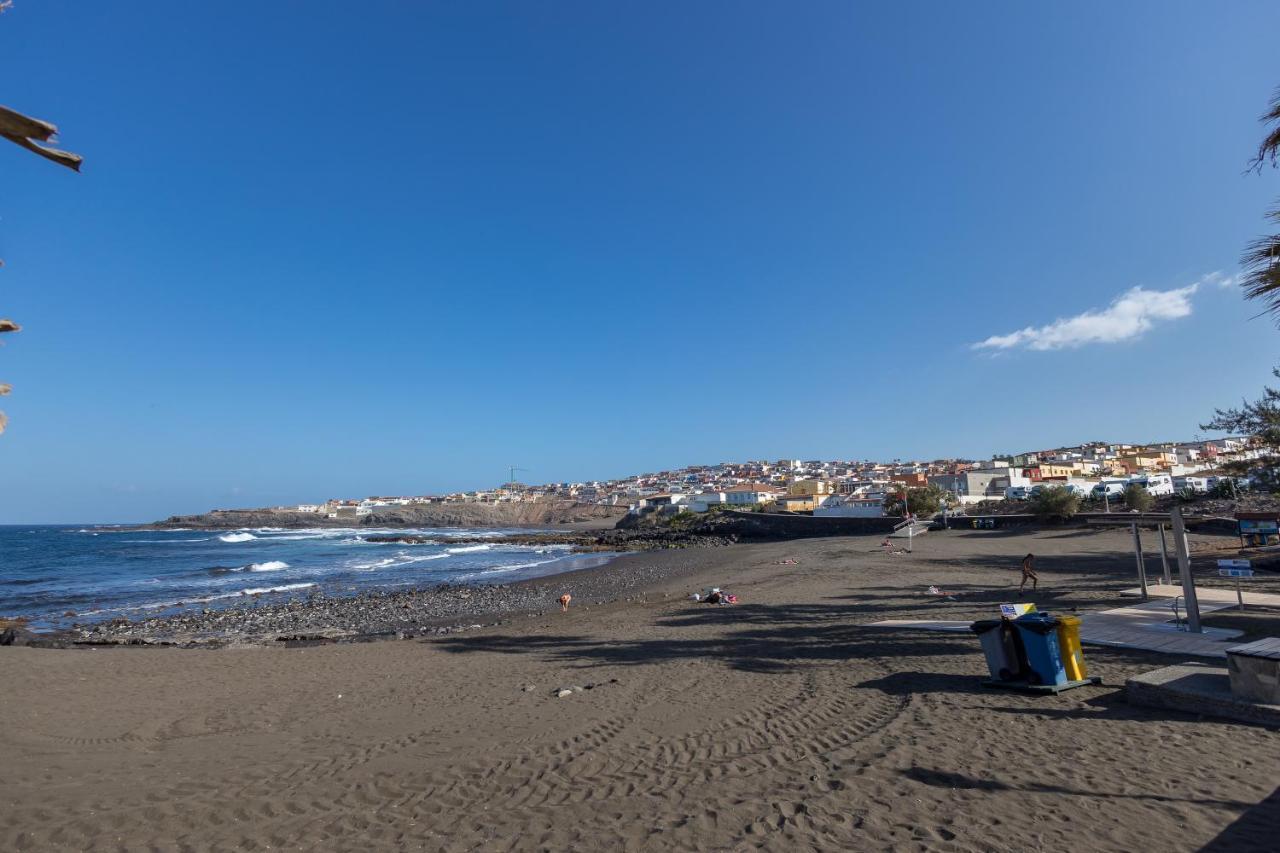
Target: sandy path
{"points": [[782, 723]]}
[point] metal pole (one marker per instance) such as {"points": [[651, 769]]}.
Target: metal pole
{"points": [[906, 508], [1184, 567], [1106, 499], [1164, 557], [1142, 570], [1239, 594]]}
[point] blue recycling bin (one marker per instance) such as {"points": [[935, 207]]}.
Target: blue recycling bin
{"points": [[1039, 633]]}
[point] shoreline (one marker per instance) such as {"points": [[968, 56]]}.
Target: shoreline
{"points": [[416, 611]]}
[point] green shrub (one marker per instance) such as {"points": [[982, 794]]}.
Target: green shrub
{"points": [[683, 518], [924, 501], [1055, 502], [1137, 497]]}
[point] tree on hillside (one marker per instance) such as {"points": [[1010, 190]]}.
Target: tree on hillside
{"points": [[1260, 419], [1137, 497], [31, 134], [1261, 260], [923, 501], [1057, 503]]}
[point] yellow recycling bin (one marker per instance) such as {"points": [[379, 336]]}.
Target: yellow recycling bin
{"points": [[1069, 648]]}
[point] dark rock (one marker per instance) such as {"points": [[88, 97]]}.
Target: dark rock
{"points": [[15, 636]]}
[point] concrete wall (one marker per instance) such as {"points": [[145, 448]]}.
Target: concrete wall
{"points": [[763, 525]]}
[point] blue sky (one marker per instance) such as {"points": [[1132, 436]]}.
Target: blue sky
{"points": [[332, 249]]}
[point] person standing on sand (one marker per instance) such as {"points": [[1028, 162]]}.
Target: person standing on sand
{"points": [[564, 602], [1028, 573]]}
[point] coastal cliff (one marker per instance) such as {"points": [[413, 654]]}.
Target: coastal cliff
{"points": [[526, 514]]}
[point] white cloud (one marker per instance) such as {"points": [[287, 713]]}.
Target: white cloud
{"points": [[1128, 317]]}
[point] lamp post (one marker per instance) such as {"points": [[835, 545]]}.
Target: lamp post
{"points": [[906, 510]]}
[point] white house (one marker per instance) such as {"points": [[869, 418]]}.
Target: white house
{"points": [[703, 501], [308, 508], [851, 506], [664, 499], [750, 493]]}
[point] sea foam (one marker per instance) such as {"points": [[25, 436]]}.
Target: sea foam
{"points": [[262, 590], [237, 537], [269, 566]]}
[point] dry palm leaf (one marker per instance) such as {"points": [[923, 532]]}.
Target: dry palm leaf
{"points": [[30, 132]]}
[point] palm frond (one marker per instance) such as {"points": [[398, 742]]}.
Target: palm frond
{"points": [[31, 133], [1269, 150], [1260, 269]]}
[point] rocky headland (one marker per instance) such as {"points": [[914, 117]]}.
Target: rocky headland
{"points": [[523, 514]]}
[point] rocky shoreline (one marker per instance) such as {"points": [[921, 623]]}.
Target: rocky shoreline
{"points": [[582, 543], [414, 612]]}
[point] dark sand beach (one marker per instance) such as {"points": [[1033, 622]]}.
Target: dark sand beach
{"points": [[782, 723]]}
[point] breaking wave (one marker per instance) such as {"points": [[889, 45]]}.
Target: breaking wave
{"points": [[398, 560], [236, 537], [263, 590], [269, 566]]}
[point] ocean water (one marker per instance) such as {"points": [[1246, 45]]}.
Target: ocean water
{"points": [[48, 573]]}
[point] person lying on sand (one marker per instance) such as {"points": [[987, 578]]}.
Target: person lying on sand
{"points": [[564, 602], [1028, 573]]}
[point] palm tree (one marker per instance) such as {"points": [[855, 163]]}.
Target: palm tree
{"points": [[30, 133], [1260, 262]]}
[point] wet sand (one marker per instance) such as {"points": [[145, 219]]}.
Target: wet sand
{"points": [[782, 723]]}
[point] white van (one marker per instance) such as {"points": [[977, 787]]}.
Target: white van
{"points": [[1016, 493], [1108, 488], [1198, 485], [1155, 484]]}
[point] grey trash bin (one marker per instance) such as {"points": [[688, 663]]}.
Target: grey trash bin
{"points": [[999, 647]]}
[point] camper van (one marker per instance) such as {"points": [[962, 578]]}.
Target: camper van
{"points": [[1192, 484], [1073, 488], [1155, 484], [1016, 493], [1109, 489]]}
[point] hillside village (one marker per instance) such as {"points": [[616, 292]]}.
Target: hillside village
{"points": [[1095, 470]]}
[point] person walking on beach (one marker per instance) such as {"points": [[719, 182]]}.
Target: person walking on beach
{"points": [[1028, 573], [564, 602]]}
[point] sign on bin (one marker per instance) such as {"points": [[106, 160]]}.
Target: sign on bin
{"points": [[1013, 611]]}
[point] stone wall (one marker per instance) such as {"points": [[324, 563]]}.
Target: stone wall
{"points": [[764, 525]]}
